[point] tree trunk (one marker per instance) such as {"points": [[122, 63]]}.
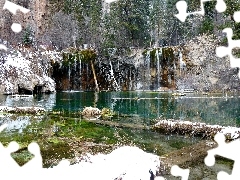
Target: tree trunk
{"points": [[94, 76]]}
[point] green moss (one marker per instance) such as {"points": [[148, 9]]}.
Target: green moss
{"points": [[107, 113], [225, 161], [167, 53], [153, 55], [55, 152], [152, 148], [60, 137], [178, 144], [22, 157], [88, 55], [73, 56]]}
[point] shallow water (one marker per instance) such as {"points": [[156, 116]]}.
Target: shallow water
{"points": [[142, 106]]}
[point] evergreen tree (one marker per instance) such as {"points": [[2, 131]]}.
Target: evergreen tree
{"points": [[127, 24], [208, 23], [232, 6], [27, 37]]}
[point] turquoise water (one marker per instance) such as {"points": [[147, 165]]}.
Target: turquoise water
{"points": [[130, 107], [143, 106]]}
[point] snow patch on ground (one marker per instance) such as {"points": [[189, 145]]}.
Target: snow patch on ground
{"points": [[125, 163]]}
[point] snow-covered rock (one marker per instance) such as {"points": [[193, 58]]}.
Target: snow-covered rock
{"points": [[26, 68]]}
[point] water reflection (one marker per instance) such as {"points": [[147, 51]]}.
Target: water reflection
{"points": [[142, 106], [18, 123], [47, 101]]}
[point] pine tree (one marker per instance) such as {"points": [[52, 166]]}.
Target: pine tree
{"points": [[27, 37]]}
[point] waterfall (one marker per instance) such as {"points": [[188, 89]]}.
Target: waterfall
{"points": [[69, 76], [75, 63], [182, 63], [115, 84], [111, 52], [80, 72], [69, 73], [134, 80], [130, 79], [158, 67], [147, 71]]}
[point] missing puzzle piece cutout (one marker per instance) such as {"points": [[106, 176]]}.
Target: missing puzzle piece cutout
{"points": [[177, 171], [182, 9], [227, 150], [7, 161], [222, 51]]}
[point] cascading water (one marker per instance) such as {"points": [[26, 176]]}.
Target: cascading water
{"points": [[147, 71], [69, 73], [130, 80], [80, 72], [158, 53], [112, 78], [111, 52], [75, 63], [182, 63]]}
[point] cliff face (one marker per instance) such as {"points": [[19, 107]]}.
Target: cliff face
{"points": [[30, 69], [36, 20], [23, 70]]}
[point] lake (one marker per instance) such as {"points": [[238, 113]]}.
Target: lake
{"points": [[142, 106], [136, 107]]}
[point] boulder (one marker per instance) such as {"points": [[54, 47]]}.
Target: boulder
{"points": [[91, 112]]}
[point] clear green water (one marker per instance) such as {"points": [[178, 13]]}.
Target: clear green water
{"points": [[130, 107], [143, 107]]}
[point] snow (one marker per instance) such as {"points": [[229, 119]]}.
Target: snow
{"points": [[126, 163], [27, 68]]}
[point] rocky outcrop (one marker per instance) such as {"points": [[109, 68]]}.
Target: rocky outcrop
{"points": [[205, 71], [27, 71], [91, 112]]}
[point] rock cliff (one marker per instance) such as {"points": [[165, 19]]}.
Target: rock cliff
{"points": [[27, 71]]}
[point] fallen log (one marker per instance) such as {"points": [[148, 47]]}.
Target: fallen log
{"points": [[22, 110], [195, 129]]}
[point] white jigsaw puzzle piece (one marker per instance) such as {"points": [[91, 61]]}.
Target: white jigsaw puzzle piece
{"points": [[224, 51], [227, 150], [12, 7], [177, 171], [182, 9], [36, 161], [236, 16]]}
